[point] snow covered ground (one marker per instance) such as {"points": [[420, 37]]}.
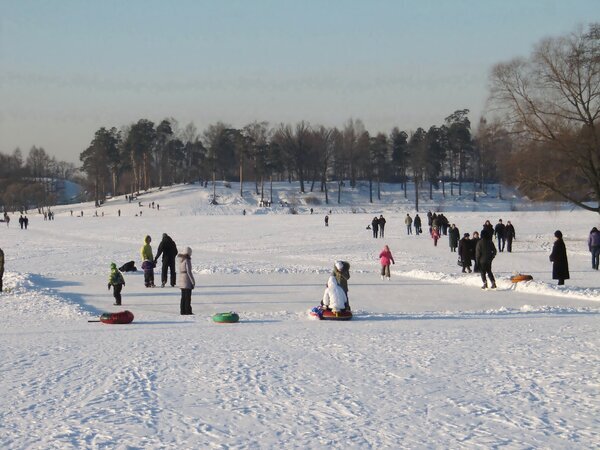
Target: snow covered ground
{"points": [[429, 361]]}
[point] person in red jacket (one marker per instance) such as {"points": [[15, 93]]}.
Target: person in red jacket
{"points": [[385, 258]]}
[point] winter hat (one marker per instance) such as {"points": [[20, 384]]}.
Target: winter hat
{"points": [[113, 266], [187, 251], [466, 235], [558, 234], [339, 265], [147, 239]]}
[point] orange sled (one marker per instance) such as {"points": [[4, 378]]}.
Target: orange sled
{"points": [[520, 277]]}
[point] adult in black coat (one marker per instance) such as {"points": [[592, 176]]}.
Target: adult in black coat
{"points": [[382, 222], [1, 267], [375, 226], [472, 246], [168, 250], [417, 224], [499, 231], [560, 263], [509, 234], [485, 252], [453, 238], [490, 228], [464, 251]]}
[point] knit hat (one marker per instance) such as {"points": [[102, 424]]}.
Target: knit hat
{"points": [[339, 265], [113, 266], [558, 234]]}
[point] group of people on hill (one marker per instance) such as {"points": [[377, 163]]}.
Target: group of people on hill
{"points": [[168, 249]]}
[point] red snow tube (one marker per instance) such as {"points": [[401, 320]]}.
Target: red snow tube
{"points": [[339, 315], [520, 277], [122, 317]]}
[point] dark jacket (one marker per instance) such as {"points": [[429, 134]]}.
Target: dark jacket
{"points": [[464, 250], [509, 232], [375, 223], [560, 266], [485, 251], [453, 237], [417, 221], [499, 230], [488, 231], [1, 261], [167, 248]]}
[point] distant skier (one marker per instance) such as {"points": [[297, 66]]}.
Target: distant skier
{"points": [[560, 263], [117, 282]]}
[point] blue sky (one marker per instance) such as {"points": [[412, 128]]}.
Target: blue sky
{"points": [[70, 67]]}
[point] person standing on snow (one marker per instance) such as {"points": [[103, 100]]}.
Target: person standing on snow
{"points": [[485, 252], [464, 253], [417, 223], [408, 222], [472, 247], [147, 262], [385, 257], [594, 246], [116, 281], [341, 272], [435, 235], [186, 281], [381, 225], [500, 231], [509, 234], [375, 226], [453, 238], [168, 250], [1, 268], [334, 297], [560, 263]]}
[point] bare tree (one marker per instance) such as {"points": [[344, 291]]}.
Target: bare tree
{"points": [[552, 99]]}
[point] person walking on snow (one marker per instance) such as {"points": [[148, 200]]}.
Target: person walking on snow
{"points": [[485, 252], [509, 234], [1, 268], [417, 223], [499, 231], [375, 226], [453, 238], [560, 263], [147, 262], [408, 222], [381, 226], [186, 281], [594, 246], [334, 297], [464, 253], [385, 257], [116, 280], [168, 250], [435, 235]]}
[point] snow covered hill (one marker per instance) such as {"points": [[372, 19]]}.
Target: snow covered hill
{"points": [[429, 361]]}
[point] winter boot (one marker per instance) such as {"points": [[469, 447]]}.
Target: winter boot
{"points": [[493, 286], [484, 286]]}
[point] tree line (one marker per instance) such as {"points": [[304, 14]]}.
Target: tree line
{"points": [[31, 181], [145, 155]]}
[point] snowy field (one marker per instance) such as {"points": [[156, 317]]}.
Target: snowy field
{"points": [[429, 360]]}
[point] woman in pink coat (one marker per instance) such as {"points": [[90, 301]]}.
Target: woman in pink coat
{"points": [[385, 257], [435, 235]]}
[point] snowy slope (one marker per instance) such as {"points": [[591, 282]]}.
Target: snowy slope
{"points": [[430, 360]]}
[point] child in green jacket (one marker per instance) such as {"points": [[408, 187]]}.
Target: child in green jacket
{"points": [[116, 280]]}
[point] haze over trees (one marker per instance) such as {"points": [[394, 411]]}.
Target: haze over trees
{"points": [[541, 137]]}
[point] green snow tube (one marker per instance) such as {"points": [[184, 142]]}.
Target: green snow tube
{"points": [[226, 317]]}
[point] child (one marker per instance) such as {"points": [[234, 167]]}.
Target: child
{"points": [[385, 257], [116, 280], [147, 262], [334, 297], [435, 234], [341, 272]]}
